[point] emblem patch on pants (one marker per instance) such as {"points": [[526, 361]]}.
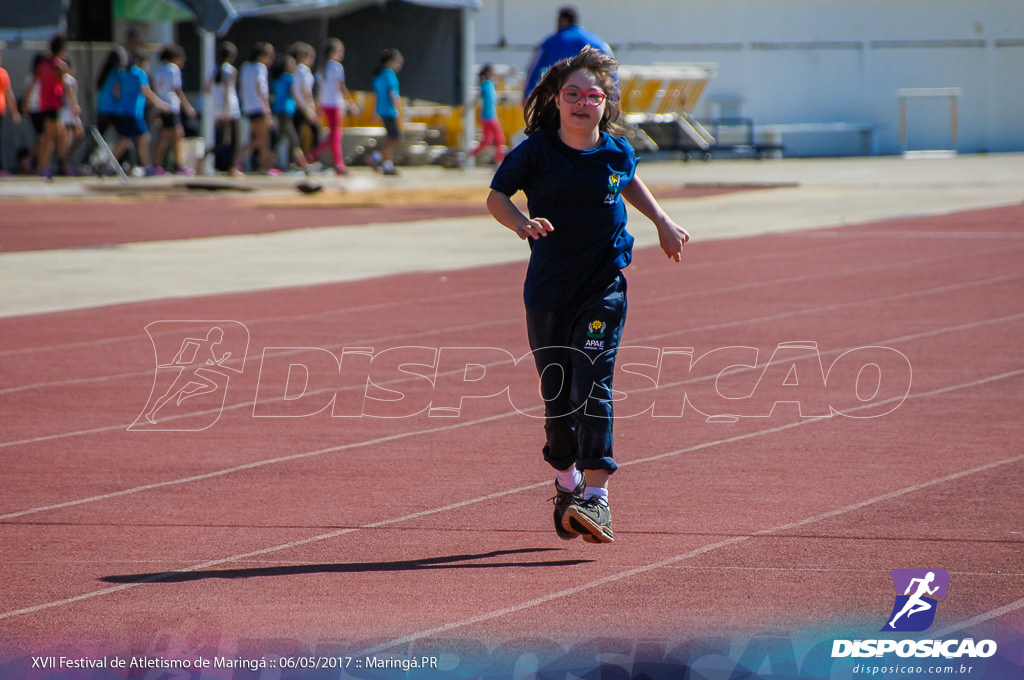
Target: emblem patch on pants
{"points": [[595, 335]]}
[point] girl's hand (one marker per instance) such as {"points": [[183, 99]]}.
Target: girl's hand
{"points": [[535, 228], [672, 238], [507, 214]]}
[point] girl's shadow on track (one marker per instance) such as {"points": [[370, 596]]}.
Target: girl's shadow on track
{"points": [[446, 562]]}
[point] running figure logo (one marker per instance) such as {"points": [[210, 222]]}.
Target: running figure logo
{"points": [[916, 589], [192, 373]]}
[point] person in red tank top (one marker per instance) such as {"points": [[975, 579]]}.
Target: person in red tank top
{"points": [[49, 78]]}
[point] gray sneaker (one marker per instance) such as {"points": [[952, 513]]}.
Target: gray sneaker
{"points": [[590, 518], [563, 499]]}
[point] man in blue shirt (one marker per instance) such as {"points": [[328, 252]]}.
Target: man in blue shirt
{"points": [[566, 42]]}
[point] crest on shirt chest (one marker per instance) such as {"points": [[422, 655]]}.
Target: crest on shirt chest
{"points": [[614, 187]]}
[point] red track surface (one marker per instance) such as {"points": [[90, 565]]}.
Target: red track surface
{"points": [[347, 533]]}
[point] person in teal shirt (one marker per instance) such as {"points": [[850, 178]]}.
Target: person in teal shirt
{"points": [[284, 107], [135, 92], [489, 123], [385, 86]]}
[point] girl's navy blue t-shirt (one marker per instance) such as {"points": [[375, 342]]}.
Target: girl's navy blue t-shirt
{"points": [[579, 192]]}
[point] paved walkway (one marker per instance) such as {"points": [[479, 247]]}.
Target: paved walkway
{"points": [[814, 193]]}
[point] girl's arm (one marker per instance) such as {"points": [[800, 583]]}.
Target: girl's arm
{"points": [[153, 99], [28, 93], [12, 105], [186, 105], [506, 212], [347, 100], [396, 99], [264, 92], [72, 97], [671, 236], [229, 87]]}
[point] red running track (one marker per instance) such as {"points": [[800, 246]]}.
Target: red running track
{"points": [[314, 532]]}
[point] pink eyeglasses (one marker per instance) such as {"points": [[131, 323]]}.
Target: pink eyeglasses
{"points": [[593, 98]]}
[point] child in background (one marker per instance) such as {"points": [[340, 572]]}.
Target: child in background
{"points": [[489, 123], [71, 119], [284, 107], [575, 175], [30, 108], [226, 110], [254, 87], [108, 92], [306, 122], [389, 101], [49, 83], [135, 94], [168, 86], [334, 99], [8, 102]]}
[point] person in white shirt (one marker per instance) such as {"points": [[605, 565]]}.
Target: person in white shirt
{"points": [[306, 122], [334, 100], [225, 109], [167, 86], [71, 118], [254, 86]]}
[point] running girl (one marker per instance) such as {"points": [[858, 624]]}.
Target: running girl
{"points": [[575, 175]]}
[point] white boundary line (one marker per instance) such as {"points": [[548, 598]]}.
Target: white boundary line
{"points": [[980, 618], [669, 561], [364, 342], [380, 306], [772, 317], [405, 435], [608, 579]]}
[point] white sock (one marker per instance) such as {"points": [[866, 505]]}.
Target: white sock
{"points": [[568, 479], [596, 492]]}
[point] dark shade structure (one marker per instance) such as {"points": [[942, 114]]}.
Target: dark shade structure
{"points": [[429, 33]]}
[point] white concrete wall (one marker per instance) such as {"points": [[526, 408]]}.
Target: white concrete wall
{"points": [[813, 61]]}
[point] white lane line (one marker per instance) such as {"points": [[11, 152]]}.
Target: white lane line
{"points": [[675, 559], [608, 579], [979, 619], [391, 304], [740, 322], [468, 423], [370, 341]]}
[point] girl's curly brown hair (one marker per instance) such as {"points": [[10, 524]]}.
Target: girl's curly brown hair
{"points": [[541, 109]]}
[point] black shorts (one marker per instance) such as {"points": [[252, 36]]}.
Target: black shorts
{"points": [[131, 127], [391, 126], [105, 121], [170, 120], [39, 119]]}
